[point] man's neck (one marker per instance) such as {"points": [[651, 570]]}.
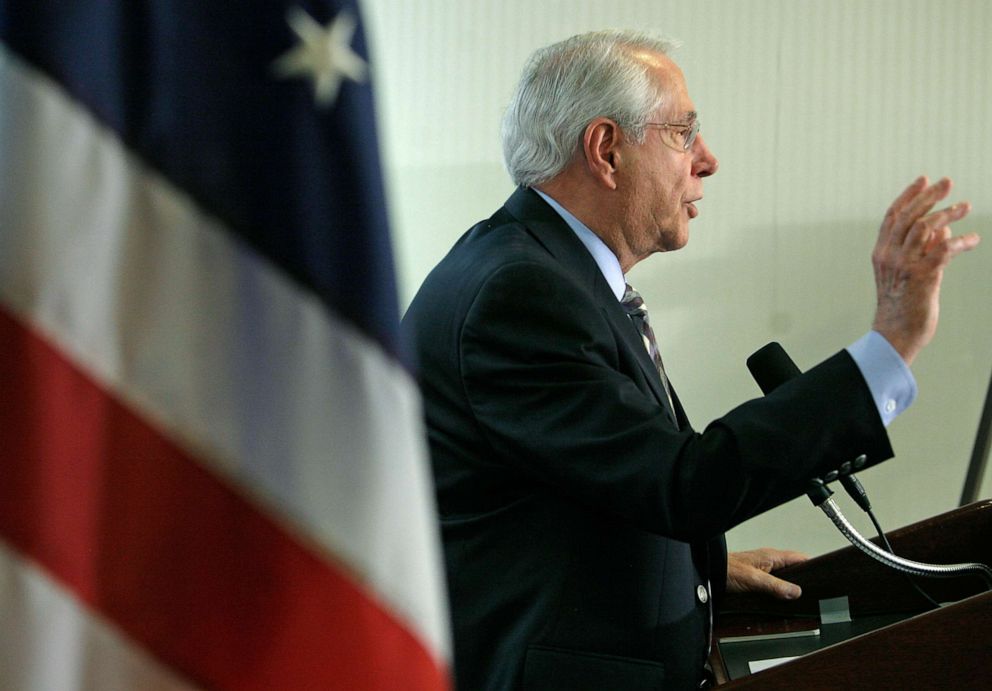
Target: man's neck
{"points": [[593, 211]]}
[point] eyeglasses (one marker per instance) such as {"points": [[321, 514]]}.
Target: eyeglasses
{"points": [[688, 130]]}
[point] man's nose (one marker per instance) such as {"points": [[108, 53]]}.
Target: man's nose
{"points": [[704, 162]]}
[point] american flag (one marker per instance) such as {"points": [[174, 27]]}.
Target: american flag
{"points": [[212, 467]]}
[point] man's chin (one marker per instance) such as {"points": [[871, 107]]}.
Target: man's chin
{"points": [[675, 243]]}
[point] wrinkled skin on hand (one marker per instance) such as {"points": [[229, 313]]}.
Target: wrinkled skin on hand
{"points": [[914, 246]]}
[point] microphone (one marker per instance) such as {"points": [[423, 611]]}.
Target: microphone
{"points": [[771, 367]]}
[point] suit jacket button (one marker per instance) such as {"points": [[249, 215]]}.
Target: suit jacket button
{"points": [[702, 594]]}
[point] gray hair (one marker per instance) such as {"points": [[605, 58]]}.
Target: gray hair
{"points": [[565, 86]]}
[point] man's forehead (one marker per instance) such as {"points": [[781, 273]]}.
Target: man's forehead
{"points": [[679, 107]]}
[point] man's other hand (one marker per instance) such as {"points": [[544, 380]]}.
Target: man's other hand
{"points": [[750, 572]]}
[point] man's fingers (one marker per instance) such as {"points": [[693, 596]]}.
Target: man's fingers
{"points": [[962, 243], [913, 202], [948, 215], [896, 207], [902, 200], [765, 582], [943, 247], [785, 589], [922, 231], [936, 238], [912, 208], [917, 206], [769, 558], [785, 557]]}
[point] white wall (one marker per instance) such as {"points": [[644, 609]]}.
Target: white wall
{"points": [[820, 113]]}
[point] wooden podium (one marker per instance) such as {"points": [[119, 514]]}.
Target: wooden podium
{"points": [[895, 640]]}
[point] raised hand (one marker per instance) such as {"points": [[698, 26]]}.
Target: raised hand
{"points": [[914, 245]]}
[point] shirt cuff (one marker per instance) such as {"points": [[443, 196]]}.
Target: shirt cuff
{"points": [[892, 385]]}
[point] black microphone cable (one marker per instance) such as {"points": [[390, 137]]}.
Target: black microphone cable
{"points": [[857, 492]]}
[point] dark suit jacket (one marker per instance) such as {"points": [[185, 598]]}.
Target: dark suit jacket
{"points": [[577, 522]]}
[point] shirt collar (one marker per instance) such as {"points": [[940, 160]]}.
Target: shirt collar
{"points": [[607, 262]]}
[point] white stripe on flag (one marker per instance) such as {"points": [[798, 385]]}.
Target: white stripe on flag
{"points": [[49, 641], [216, 346]]}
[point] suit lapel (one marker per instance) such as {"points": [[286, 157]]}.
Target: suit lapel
{"points": [[553, 233]]}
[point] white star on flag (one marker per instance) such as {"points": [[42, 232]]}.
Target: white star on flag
{"points": [[323, 55]]}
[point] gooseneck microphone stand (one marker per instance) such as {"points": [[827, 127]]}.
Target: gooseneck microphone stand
{"points": [[821, 496]]}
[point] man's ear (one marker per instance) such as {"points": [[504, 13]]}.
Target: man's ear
{"points": [[601, 150]]}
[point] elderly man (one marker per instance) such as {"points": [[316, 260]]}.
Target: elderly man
{"points": [[582, 515]]}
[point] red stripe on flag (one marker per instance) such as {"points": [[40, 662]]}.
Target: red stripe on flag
{"points": [[197, 574]]}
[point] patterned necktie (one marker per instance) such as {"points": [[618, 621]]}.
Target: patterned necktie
{"points": [[633, 303]]}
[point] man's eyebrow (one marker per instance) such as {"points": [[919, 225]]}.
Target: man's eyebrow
{"points": [[689, 116]]}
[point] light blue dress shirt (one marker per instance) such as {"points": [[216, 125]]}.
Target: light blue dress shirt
{"points": [[892, 385]]}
